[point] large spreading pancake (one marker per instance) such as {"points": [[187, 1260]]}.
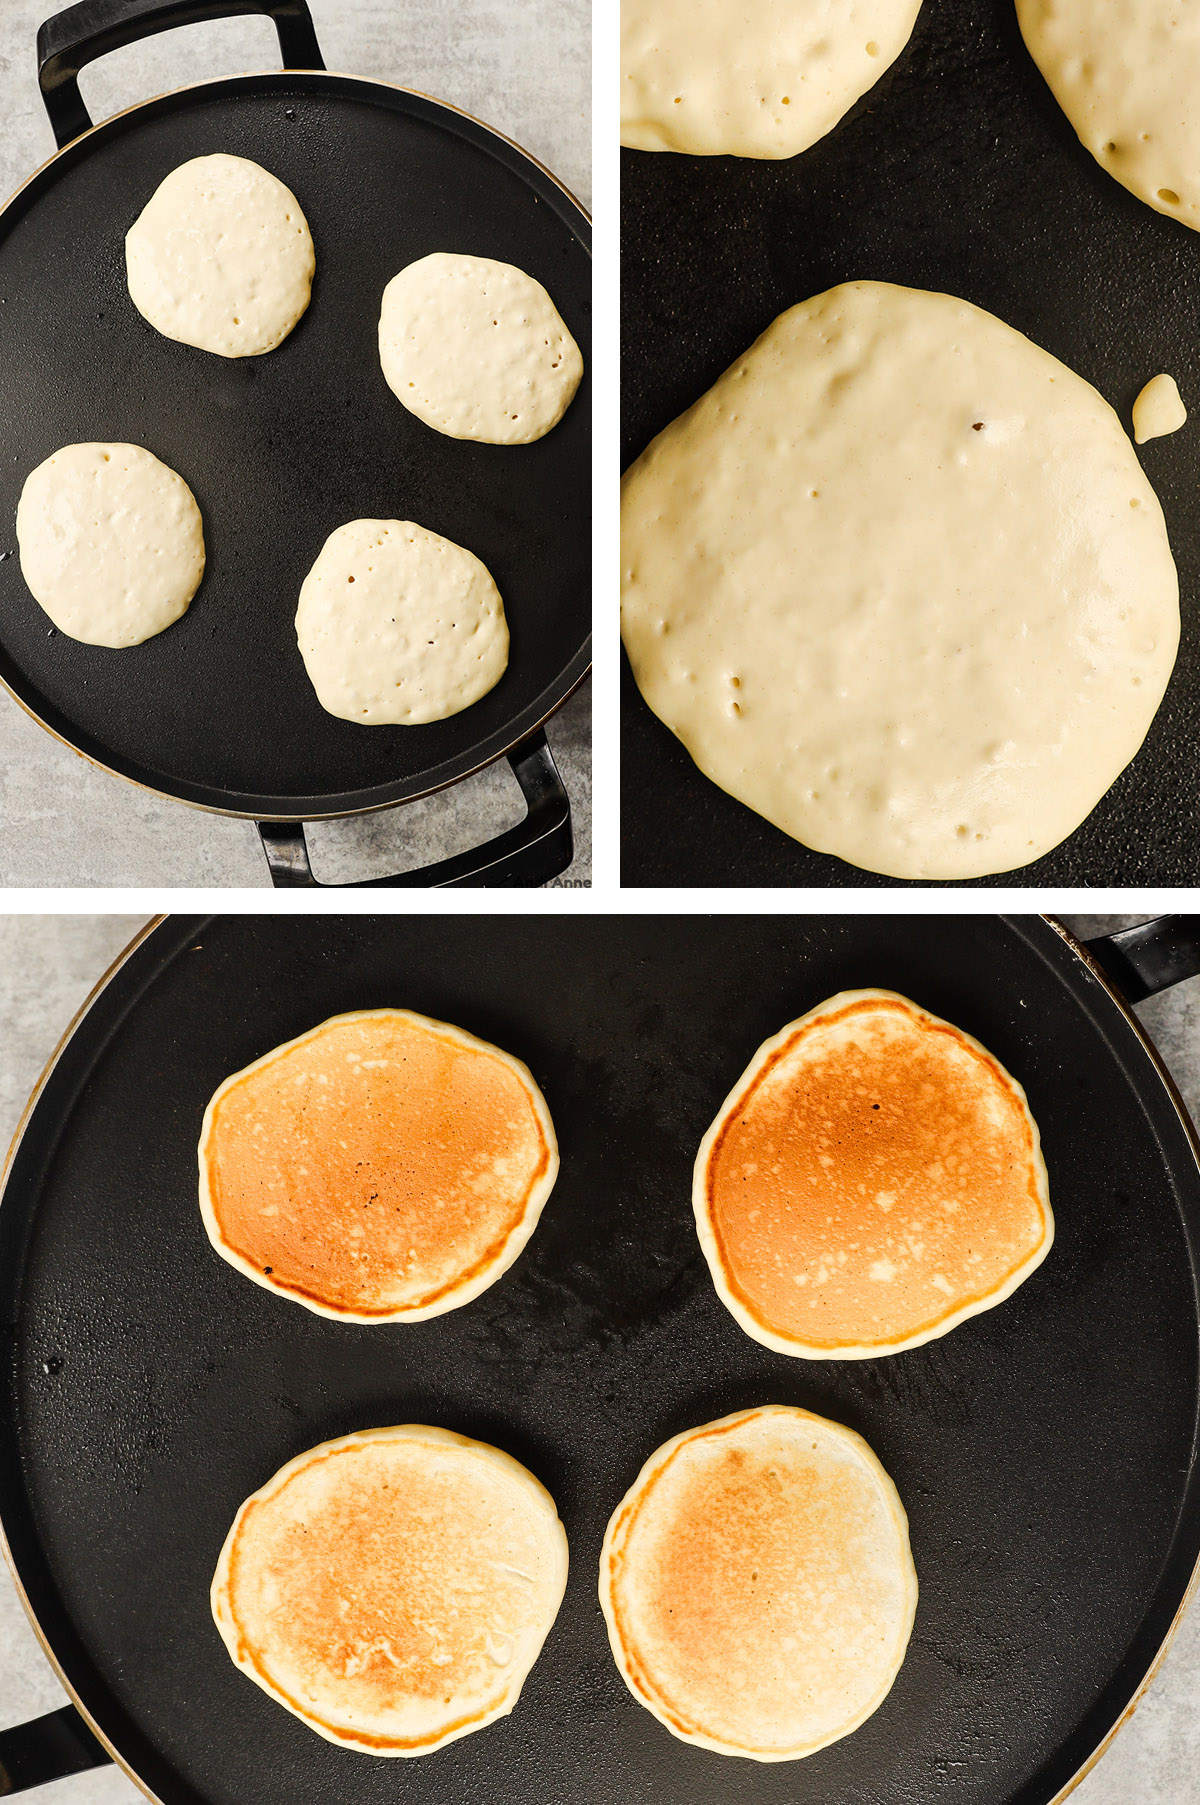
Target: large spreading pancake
{"points": [[757, 1584], [898, 582], [381, 1166], [393, 1588], [765, 78], [874, 1178], [1127, 75]]}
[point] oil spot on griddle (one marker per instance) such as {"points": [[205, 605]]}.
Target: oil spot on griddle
{"points": [[618, 1246], [926, 1382]]}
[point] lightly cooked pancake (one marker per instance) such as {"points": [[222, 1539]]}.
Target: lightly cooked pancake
{"points": [[1127, 75], [111, 543], [764, 78], [874, 1178], [221, 257], [899, 583], [757, 1584], [381, 1167], [393, 1588]]}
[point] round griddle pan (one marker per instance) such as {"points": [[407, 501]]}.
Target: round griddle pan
{"points": [[279, 450], [1045, 1451], [957, 172]]}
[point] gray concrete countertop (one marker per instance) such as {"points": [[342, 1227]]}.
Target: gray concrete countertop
{"points": [[47, 966], [525, 67]]}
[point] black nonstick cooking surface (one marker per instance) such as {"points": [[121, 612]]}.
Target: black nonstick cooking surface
{"points": [[956, 172], [1045, 1451], [281, 449]]}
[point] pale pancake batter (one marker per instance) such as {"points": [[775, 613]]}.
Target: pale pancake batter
{"points": [[765, 78], [393, 1588], [873, 1179], [1158, 410], [1127, 75], [381, 1167], [221, 257], [111, 542], [398, 625], [477, 349], [757, 1584], [899, 583]]}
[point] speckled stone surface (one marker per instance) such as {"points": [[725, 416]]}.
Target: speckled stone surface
{"points": [[525, 67], [47, 966]]}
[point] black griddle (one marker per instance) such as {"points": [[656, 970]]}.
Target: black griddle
{"points": [[1045, 1451], [957, 172], [279, 450]]}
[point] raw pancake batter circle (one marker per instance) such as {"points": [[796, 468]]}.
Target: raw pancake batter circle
{"points": [[757, 1584], [765, 78], [477, 349], [398, 625], [899, 583], [1127, 75], [111, 542], [221, 257]]}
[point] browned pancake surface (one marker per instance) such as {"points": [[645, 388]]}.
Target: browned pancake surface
{"points": [[758, 1585], [393, 1589], [376, 1164], [878, 1174]]}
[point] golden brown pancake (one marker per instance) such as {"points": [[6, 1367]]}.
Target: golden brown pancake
{"points": [[757, 1584], [381, 1166], [392, 1589], [874, 1178]]}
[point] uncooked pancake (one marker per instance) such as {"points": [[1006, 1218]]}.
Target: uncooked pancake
{"points": [[899, 583], [111, 543], [1158, 410], [757, 1584], [221, 257], [397, 625], [477, 349], [765, 78], [392, 1589], [1127, 75], [381, 1167], [873, 1178]]}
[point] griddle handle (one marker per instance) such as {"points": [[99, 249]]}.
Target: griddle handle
{"points": [[47, 1748], [1142, 961], [521, 859], [77, 36]]}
